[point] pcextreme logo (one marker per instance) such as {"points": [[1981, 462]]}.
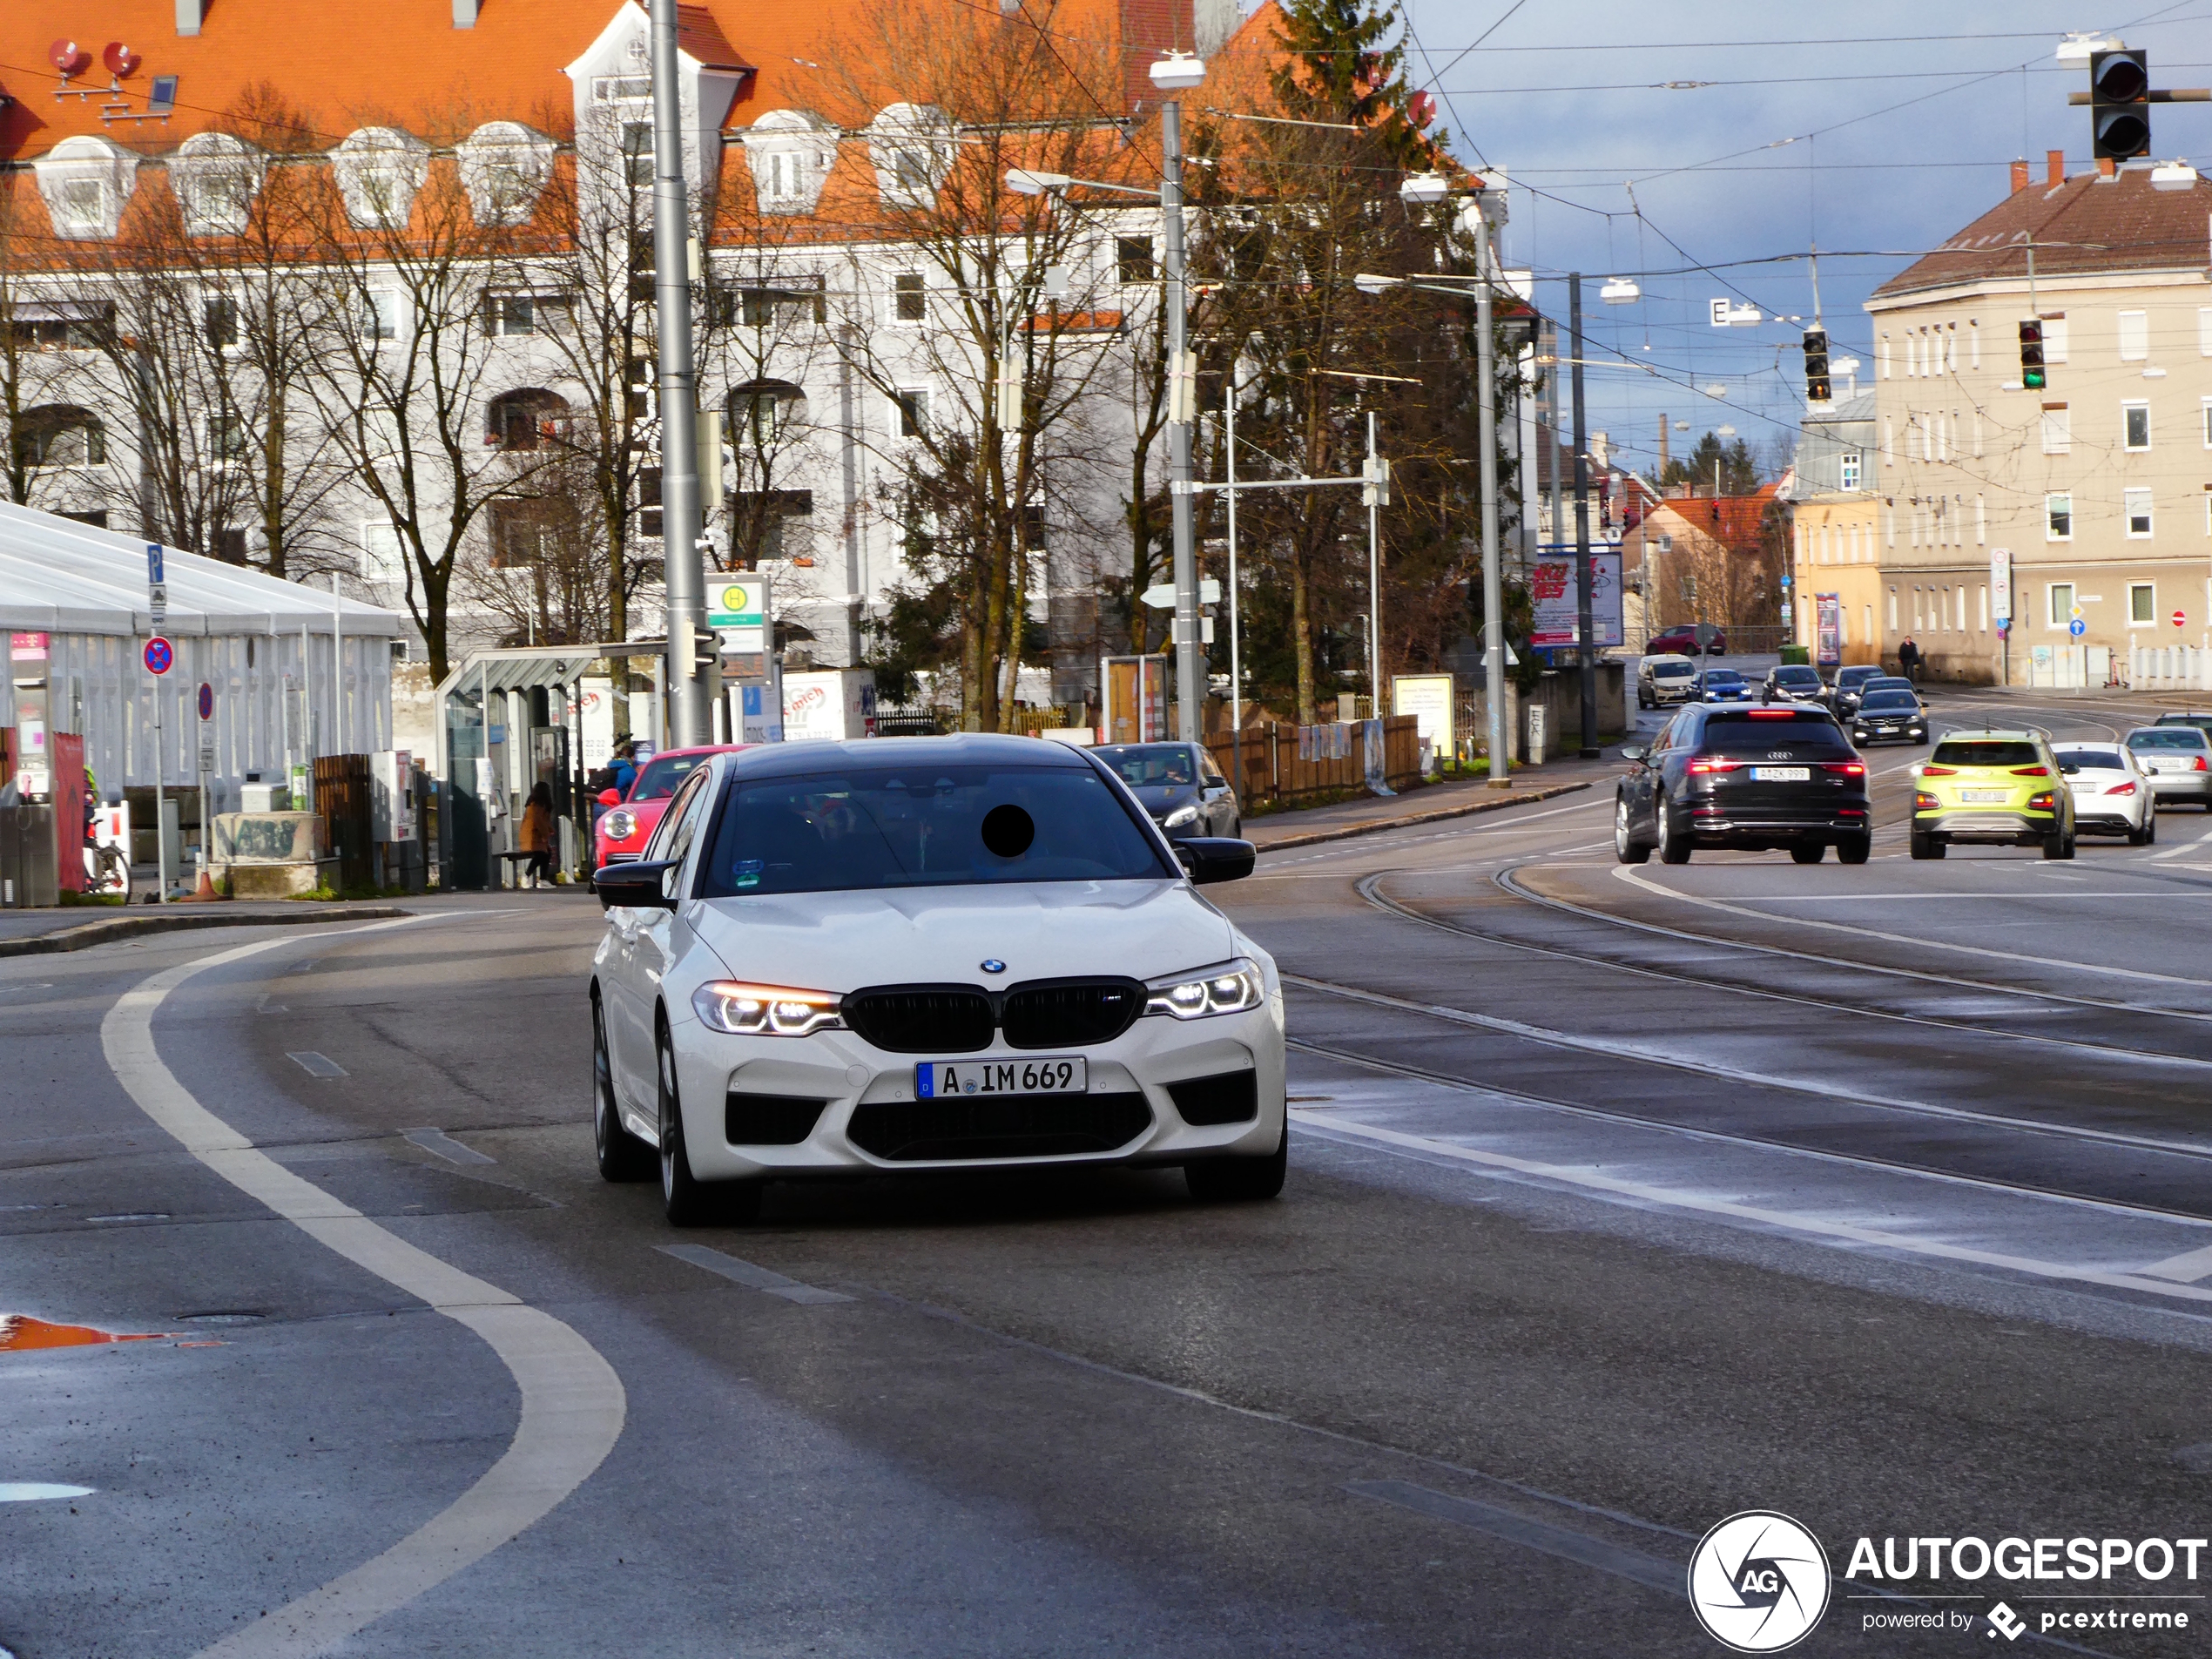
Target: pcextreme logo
{"points": [[1758, 1582]]}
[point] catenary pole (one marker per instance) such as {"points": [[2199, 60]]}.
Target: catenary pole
{"points": [[687, 712], [1493, 601], [1190, 686], [1236, 664], [1582, 606]]}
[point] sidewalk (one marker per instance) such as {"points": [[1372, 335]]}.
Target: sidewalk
{"points": [[38, 933], [1428, 804]]}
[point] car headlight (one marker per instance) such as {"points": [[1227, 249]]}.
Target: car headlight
{"points": [[620, 824], [1229, 988], [1182, 815], [764, 1011]]}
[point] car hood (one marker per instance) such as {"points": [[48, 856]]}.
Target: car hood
{"points": [[840, 941], [1159, 800]]}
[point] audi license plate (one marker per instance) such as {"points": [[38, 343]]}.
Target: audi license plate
{"points": [[1781, 774], [1990, 795], [1044, 1075]]}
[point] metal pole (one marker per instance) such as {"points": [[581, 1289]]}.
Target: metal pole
{"points": [[1190, 685], [160, 840], [1236, 664], [678, 395], [337, 664], [1494, 599], [1583, 529], [1374, 579], [1558, 484]]}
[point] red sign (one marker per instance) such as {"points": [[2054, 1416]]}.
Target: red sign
{"points": [[159, 655], [2180, 618], [207, 701]]}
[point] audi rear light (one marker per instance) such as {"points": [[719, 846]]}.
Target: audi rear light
{"points": [[1712, 763], [1848, 768]]}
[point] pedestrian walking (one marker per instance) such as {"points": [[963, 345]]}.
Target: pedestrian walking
{"points": [[1908, 659], [538, 833]]}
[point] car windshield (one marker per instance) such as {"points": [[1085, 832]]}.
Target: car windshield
{"points": [[2094, 760], [2199, 721], [662, 774], [1985, 751], [2167, 736], [927, 825], [1150, 765], [1858, 676], [1795, 674], [1722, 676], [1758, 734], [1876, 702], [1672, 670]]}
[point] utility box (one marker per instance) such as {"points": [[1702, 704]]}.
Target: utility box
{"points": [[265, 798], [837, 704], [392, 814]]}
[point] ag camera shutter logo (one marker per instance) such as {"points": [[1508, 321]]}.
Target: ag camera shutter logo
{"points": [[1758, 1582]]}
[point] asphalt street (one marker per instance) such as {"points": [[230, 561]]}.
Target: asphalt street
{"points": [[1621, 1200]]}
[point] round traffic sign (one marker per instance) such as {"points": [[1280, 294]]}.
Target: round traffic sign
{"points": [[207, 701], [159, 655], [2077, 627], [2180, 618]]}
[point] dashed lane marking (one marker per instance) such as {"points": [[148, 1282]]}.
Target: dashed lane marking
{"points": [[437, 1140], [317, 1065], [751, 1274]]}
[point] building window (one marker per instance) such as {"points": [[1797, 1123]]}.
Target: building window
{"points": [[1981, 521], [2055, 336], [1886, 357], [84, 203], [910, 410], [766, 413], [2142, 604], [510, 314], [2207, 412], [381, 558], [637, 153], [1973, 345], [230, 545], [2058, 518], [379, 314], [2060, 598], [529, 419], [59, 435], [2136, 508], [622, 88], [1892, 609], [227, 439], [1976, 435], [2058, 430], [1982, 607], [2135, 424], [1850, 464], [907, 296], [1133, 258], [221, 313], [2135, 336]]}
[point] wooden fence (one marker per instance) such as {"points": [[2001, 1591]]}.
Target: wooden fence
{"points": [[1281, 769]]}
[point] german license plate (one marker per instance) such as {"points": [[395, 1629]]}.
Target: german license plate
{"points": [[1781, 774], [1991, 796], [1037, 1075]]}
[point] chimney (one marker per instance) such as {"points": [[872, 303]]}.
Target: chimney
{"points": [[2054, 167], [2019, 176], [2107, 167], [464, 14], [189, 13]]}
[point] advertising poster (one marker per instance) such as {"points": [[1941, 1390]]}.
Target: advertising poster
{"points": [[1552, 587], [1828, 629]]}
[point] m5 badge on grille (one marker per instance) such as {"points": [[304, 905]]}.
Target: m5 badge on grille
{"points": [[1044, 1075]]}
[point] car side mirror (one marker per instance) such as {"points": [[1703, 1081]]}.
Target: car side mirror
{"points": [[610, 797], [1215, 858], [638, 887], [1633, 752]]}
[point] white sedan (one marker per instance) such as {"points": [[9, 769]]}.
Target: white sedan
{"points": [[926, 954], [2112, 794]]}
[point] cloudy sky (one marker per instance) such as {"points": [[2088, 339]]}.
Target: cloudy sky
{"points": [[1905, 116]]}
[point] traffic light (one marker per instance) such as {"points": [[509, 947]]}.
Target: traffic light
{"points": [[2031, 374], [2119, 104], [1817, 386]]}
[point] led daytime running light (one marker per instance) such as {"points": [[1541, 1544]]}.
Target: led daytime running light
{"points": [[764, 1011], [1230, 988]]}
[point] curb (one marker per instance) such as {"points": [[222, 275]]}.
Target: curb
{"points": [[105, 932], [1495, 803]]}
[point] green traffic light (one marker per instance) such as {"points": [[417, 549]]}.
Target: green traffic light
{"points": [[2033, 379]]}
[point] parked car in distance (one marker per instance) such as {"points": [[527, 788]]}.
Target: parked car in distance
{"points": [[1724, 686], [2111, 794], [2186, 717], [1891, 714], [1850, 682], [1798, 680], [1776, 774], [1664, 679], [623, 831], [1684, 638], [1999, 788], [1177, 784], [2178, 759]]}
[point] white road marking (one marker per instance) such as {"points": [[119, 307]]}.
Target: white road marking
{"points": [[2187, 1267], [572, 1401], [2013, 956], [1783, 1220], [2164, 895], [752, 1274], [2179, 847], [437, 1140], [317, 1065], [38, 1491]]}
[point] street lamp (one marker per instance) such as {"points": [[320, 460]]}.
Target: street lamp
{"points": [[1620, 291], [1175, 73]]}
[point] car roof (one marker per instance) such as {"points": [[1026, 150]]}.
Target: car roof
{"points": [[696, 749], [1665, 658], [2179, 717], [1149, 743], [1993, 732], [961, 749], [2176, 726], [1795, 668]]}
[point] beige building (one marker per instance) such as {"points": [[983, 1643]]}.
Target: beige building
{"points": [[1835, 545], [2099, 486]]}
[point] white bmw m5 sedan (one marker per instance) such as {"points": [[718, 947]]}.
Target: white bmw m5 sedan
{"points": [[854, 958]]}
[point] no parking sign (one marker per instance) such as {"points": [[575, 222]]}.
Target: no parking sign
{"points": [[159, 655]]}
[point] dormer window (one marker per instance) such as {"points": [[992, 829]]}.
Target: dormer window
{"points": [[504, 166], [84, 205], [622, 88], [379, 171], [790, 153], [216, 177]]}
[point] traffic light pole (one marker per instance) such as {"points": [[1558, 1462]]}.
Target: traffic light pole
{"points": [[688, 725], [1582, 574]]}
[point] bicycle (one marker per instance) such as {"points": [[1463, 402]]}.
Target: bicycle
{"points": [[108, 870]]}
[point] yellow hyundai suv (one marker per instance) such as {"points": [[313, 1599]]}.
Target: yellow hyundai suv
{"points": [[2000, 787]]}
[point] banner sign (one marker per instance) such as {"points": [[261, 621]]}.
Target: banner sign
{"points": [[1828, 628], [1552, 587]]}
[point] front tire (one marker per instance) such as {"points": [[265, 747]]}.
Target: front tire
{"points": [[1926, 846], [1626, 847], [1673, 849], [1234, 1180], [688, 1201], [622, 1155]]}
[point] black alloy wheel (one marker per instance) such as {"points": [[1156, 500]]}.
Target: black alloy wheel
{"points": [[688, 1201], [1626, 847], [622, 1155]]}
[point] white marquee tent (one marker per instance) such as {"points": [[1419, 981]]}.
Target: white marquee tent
{"points": [[266, 647]]}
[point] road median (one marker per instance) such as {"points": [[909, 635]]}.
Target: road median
{"points": [[1407, 820]]}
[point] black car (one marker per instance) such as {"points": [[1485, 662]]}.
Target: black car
{"points": [[1178, 784], [1850, 682], [1889, 714], [1772, 775], [1798, 680]]}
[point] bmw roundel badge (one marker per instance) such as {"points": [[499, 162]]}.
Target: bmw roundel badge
{"points": [[992, 965]]}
